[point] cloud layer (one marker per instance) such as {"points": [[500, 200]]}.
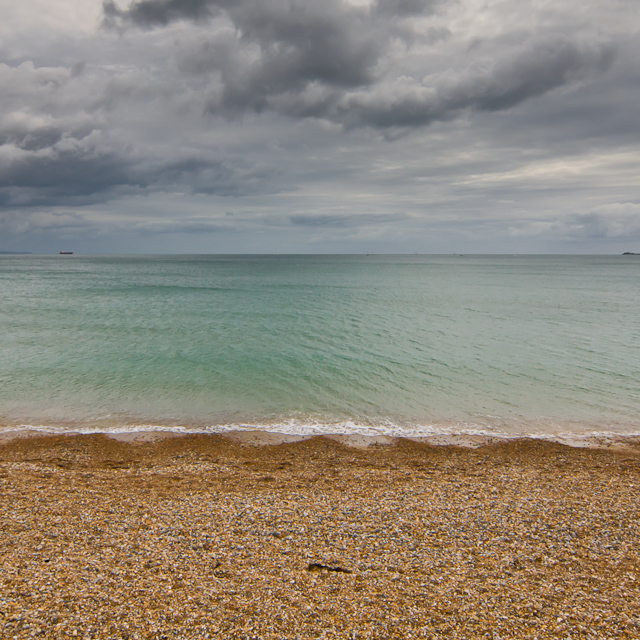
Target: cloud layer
{"points": [[358, 66], [389, 118]]}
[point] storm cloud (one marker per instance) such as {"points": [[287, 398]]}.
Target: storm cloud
{"points": [[340, 125], [61, 147], [348, 64]]}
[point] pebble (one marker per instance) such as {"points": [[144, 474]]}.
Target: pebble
{"points": [[177, 539]]}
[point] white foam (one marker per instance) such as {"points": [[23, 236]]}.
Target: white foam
{"points": [[573, 433]]}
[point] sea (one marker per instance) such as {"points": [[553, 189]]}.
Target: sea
{"points": [[382, 345]]}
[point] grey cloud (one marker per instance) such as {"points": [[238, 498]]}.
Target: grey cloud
{"points": [[298, 40], [152, 13], [181, 100], [67, 178], [339, 63], [87, 171], [61, 223], [549, 63], [345, 219], [52, 149], [276, 46], [615, 221], [402, 8], [261, 16], [37, 138], [59, 145], [149, 13], [323, 220], [294, 44], [70, 170], [487, 86], [187, 227], [219, 177], [619, 220]]}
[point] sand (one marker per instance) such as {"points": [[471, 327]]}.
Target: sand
{"points": [[212, 537]]}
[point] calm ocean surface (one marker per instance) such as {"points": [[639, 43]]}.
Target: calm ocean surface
{"points": [[310, 344]]}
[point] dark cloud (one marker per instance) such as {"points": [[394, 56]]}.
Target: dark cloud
{"points": [[82, 171], [545, 65], [339, 63], [153, 13], [149, 13], [502, 119], [194, 227], [68, 176], [37, 138], [324, 220], [402, 8], [61, 143], [538, 68], [345, 219], [269, 15], [218, 177], [618, 220], [296, 43]]}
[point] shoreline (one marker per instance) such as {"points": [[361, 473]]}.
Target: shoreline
{"points": [[261, 437]]}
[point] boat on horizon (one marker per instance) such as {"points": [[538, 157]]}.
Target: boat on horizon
{"points": [[66, 253]]}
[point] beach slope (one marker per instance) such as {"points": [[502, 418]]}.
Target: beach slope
{"points": [[209, 537]]}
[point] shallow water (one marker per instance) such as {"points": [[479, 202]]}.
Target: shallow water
{"points": [[397, 345]]}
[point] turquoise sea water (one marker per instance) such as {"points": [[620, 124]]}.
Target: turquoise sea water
{"points": [[373, 344]]}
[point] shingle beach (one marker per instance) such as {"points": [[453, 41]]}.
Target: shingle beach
{"points": [[208, 537]]}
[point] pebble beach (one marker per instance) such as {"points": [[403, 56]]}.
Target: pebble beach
{"points": [[206, 536]]}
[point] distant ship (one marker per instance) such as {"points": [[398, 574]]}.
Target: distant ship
{"points": [[66, 253], [630, 253]]}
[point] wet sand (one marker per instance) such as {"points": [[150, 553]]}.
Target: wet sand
{"points": [[247, 536]]}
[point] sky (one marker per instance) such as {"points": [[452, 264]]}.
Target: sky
{"points": [[332, 126]]}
